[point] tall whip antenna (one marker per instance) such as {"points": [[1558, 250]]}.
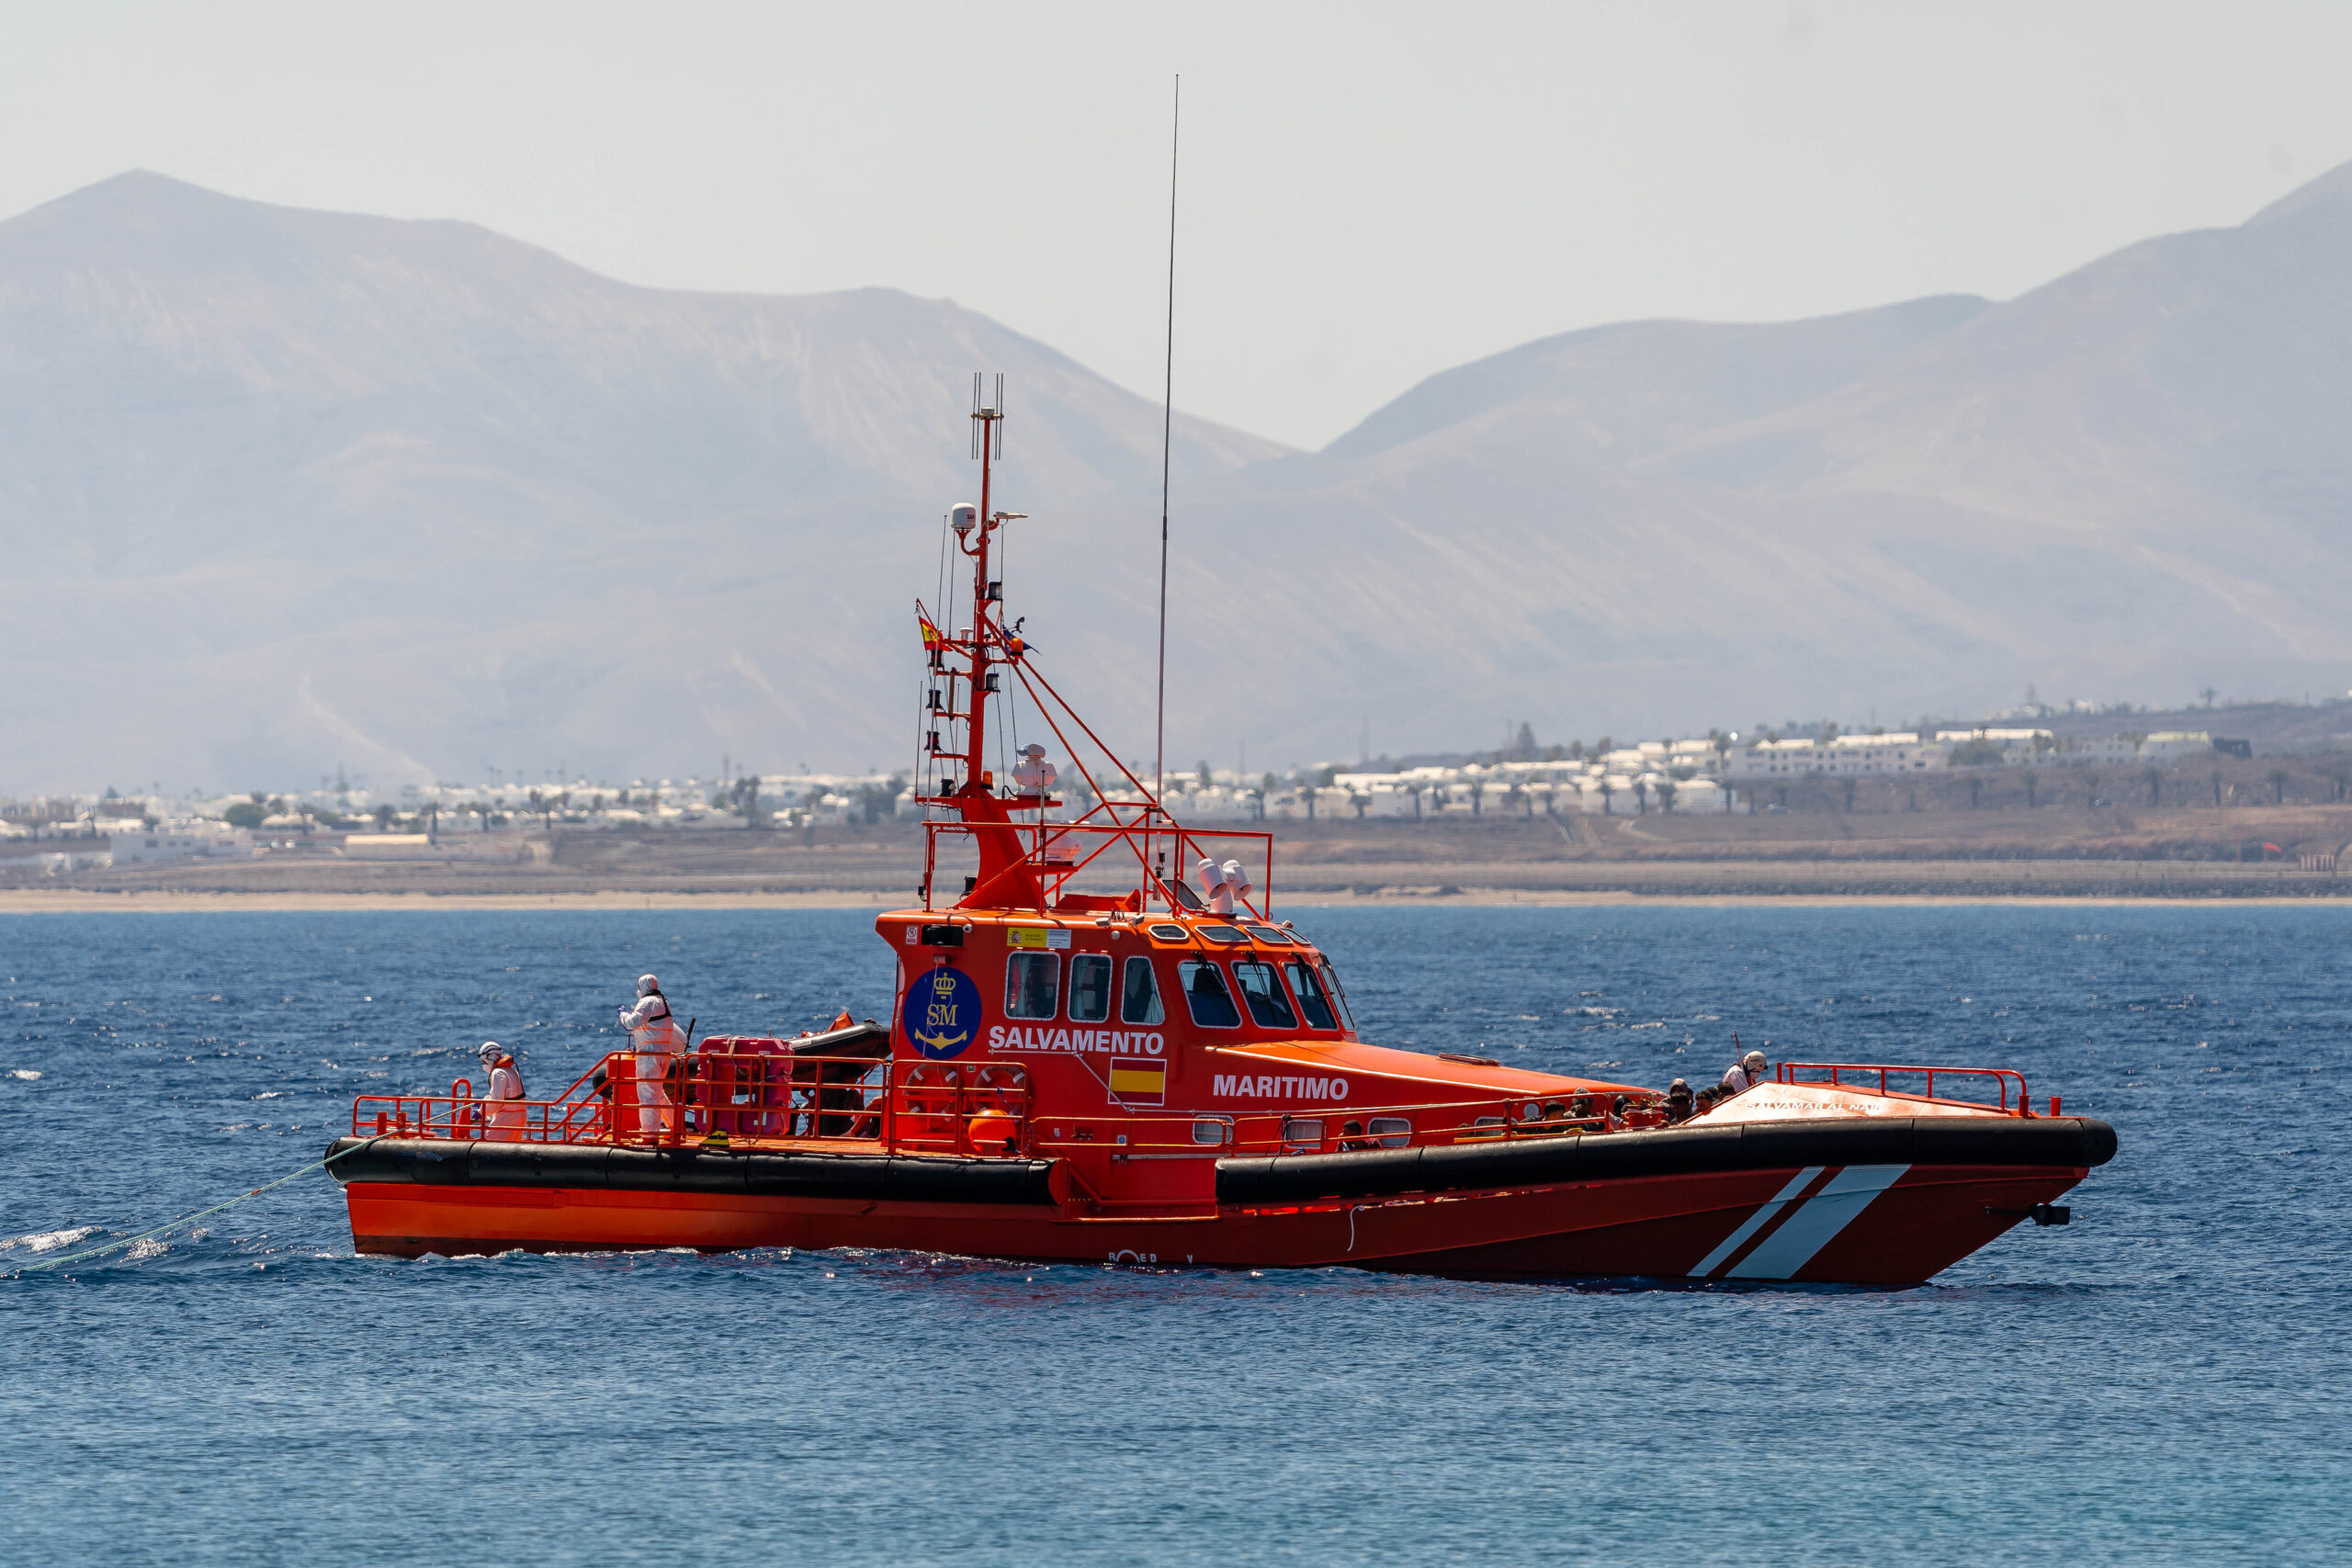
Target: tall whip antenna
{"points": [[1167, 432]]}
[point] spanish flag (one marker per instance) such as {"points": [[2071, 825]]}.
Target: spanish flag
{"points": [[934, 639], [1138, 1080]]}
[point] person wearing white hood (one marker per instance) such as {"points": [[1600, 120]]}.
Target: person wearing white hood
{"points": [[653, 1035], [505, 1113]]}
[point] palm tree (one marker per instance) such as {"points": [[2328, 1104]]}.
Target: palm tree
{"points": [[1606, 789], [1666, 795], [2209, 694], [1641, 796]]}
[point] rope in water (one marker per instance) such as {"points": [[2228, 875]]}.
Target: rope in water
{"points": [[186, 1219]]}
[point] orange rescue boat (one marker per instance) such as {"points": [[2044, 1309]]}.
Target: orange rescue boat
{"points": [[1090, 1060]]}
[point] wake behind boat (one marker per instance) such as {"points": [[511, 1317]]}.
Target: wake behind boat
{"points": [[1091, 1059]]}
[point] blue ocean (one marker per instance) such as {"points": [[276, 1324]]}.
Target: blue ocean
{"points": [[2167, 1380]]}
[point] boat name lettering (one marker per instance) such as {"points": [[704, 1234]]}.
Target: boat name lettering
{"points": [[1271, 1086], [1021, 1037]]}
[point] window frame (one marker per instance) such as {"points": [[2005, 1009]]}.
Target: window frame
{"points": [[1070, 989], [1281, 994], [1159, 993], [1307, 962], [1224, 989], [1338, 994], [1014, 960]]}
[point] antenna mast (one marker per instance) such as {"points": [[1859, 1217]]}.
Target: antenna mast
{"points": [[1166, 432]]}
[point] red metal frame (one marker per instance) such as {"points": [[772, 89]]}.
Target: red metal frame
{"points": [[932, 1107], [2002, 1077], [1136, 835]]}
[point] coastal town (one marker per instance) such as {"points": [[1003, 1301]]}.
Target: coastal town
{"points": [[2080, 788]]}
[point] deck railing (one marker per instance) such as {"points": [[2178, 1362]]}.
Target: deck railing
{"points": [[1344, 1130], [928, 1107], [1877, 1078], [987, 1109], [960, 1108]]}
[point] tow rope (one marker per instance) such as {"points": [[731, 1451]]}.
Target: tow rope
{"points": [[188, 1219]]}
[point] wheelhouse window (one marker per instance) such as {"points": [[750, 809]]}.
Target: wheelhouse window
{"points": [[1139, 993], [1220, 933], [1269, 934], [1262, 990], [1203, 984], [1312, 1002], [1033, 984], [1089, 988], [1338, 994]]}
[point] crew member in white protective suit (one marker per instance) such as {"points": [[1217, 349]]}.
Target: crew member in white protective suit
{"points": [[1034, 776], [1223, 884], [503, 1114], [1745, 1074], [653, 1035]]}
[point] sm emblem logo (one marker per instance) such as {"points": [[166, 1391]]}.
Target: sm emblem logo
{"points": [[942, 1012]]}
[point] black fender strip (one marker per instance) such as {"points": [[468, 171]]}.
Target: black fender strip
{"points": [[918, 1178], [2071, 1141]]}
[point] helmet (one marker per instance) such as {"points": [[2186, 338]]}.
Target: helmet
{"points": [[647, 984], [1754, 1059], [489, 1053], [1032, 749]]}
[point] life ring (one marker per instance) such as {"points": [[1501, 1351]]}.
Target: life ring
{"points": [[927, 1098]]}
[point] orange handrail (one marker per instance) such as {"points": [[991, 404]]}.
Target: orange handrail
{"points": [[971, 1108], [2002, 1078]]}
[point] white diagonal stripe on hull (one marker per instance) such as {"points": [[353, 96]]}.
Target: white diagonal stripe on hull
{"points": [[1755, 1221], [1826, 1213]]}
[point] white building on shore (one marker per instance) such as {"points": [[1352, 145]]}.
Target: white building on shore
{"points": [[1843, 756]]}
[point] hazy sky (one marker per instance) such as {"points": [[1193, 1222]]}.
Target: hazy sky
{"points": [[1370, 193]]}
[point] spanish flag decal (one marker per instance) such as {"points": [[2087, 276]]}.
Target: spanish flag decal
{"points": [[1138, 1080]]}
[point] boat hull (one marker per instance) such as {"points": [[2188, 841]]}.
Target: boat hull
{"points": [[1857, 1221]]}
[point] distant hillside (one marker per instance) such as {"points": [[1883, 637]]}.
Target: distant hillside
{"points": [[2129, 484], [282, 489], [1613, 395]]}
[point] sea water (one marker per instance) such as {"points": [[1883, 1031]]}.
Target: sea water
{"points": [[2165, 1380]]}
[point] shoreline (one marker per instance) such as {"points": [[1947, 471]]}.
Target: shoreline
{"points": [[28, 901]]}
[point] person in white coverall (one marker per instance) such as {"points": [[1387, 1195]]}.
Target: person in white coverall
{"points": [[504, 1115], [653, 1035], [1745, 1074]]}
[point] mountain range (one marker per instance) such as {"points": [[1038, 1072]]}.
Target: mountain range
{"points": [[282, 490]]}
